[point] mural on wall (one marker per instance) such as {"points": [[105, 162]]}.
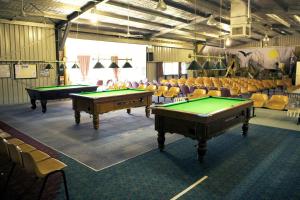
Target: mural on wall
{"points": [[257, 62]]}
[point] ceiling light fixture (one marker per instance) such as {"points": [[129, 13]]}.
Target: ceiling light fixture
{"points": [[297, 18], [49, 66], [211, 21], [113, 65], [279, 19], [98, 64], [194, 65], [161, 5]]}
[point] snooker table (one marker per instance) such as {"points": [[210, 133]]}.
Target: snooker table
{"points": [[201, 119], [55, 92], [96, 103]]}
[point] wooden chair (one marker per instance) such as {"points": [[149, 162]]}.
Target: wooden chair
{"points": [[277, 102]]}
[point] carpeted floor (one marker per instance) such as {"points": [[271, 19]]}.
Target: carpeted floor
{"points": [[265, 165], [120, 136]]}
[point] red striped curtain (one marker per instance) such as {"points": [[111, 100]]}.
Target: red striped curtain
{"points": [[84, 63]]}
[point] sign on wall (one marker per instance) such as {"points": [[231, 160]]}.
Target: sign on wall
{"points": [[4, 71], [25, 71]]}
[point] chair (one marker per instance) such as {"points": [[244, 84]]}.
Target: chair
{"points": [[141, 87], [184, 90], [151, 88], [277, 102], [225, 92], [214, 93], [159, 92], [134, 84], [197, 93], [13, 153], [259, 101], [4, 135], [44, 169], [100, 82], [172, 92]]}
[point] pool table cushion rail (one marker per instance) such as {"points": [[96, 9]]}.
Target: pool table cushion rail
{"points": [[198, 117]]}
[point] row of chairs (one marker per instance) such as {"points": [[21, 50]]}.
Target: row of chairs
{"points": [[276, 102], [30, 160], [237, 86]]}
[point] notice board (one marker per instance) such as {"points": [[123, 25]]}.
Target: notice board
{"points": [[25, 71]]}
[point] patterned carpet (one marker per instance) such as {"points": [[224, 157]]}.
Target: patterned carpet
{"points": [[265, 165]]}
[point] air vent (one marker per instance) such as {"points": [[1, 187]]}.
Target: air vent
{"points": [[240, 19]]}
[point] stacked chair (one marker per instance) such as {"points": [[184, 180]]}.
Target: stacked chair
{"points": [[30, 160]]}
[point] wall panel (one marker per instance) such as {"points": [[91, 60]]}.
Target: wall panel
{"points": [[293, 40], [30, 44], [169, 54]]}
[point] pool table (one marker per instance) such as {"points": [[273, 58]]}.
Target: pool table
{"points": [[55, 92], [201, 119], [96, 103]]}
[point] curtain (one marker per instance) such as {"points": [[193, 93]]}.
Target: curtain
{"points": [[115, 70], [84, 63]]}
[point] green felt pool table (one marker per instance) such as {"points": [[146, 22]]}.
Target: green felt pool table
{"points": [[55, 92], [201, 119], [96, 103]]}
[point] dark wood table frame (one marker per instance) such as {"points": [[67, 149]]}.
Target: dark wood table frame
{"points": [[200, 127], [96, 106], [45, 95]]}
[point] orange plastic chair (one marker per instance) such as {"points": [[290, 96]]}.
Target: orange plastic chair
{"points": [[259, 101], [159, 92], [214, 93], [277, 102], [172, 92], [197, 94]]}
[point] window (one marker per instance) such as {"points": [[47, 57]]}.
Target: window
{"points": [[170, 68], [184, 66]]}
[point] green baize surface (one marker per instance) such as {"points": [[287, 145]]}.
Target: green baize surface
{"points": [[59, 87], [205, 105], [109, 93]]}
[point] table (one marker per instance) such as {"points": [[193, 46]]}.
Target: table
{"points": [[96, 103], [201, 119], [293, 107], [55, 92]]}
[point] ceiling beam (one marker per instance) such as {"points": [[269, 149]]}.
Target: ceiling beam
{"points": [[148, 11], [89, 5], [282, 5]]}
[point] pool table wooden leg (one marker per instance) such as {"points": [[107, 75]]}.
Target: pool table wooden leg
{"points": [[161, 140], [202, 148], [246, 122], [33, 104], [128, 110], [77, 117], [44, 105], [147, 110], [96, 121]]}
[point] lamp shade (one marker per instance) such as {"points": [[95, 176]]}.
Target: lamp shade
{"points": [[220, 65], [161, 5], [194, 66], [127, 65], [75, 66], [207, 65], [113, 65], [98, 65], [48, 66]]}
